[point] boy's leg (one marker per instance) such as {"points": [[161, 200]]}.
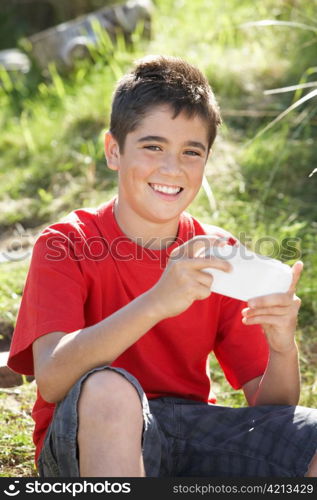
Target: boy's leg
{"points": [[312, 469], [96, 416], [110, 427], [260, 441]]}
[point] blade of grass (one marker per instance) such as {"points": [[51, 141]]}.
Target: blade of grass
{"points": [[209, 194], [290, 88], [308, 72], [272, 22], [308, 96]]}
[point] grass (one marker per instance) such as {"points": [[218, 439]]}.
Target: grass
{"points": [[16, 445], [51, 157], [12, 277]]}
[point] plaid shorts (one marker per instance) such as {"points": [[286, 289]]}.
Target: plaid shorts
{"points": [[185, 438]]}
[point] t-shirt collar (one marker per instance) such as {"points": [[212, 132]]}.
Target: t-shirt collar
{"points": [[130, 249]]}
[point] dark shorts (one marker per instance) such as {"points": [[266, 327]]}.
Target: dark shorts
{"points": [[184, 438]]}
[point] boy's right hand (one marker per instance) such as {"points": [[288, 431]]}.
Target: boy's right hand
{"points": [[184, 281]]}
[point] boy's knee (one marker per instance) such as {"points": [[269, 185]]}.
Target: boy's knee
{"points": [[109, 393]]}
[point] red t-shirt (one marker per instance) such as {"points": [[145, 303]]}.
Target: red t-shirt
{"points": [[84, 268]]}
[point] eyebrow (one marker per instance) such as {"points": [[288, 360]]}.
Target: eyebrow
{"points": [[196, 144], [157, 138]]}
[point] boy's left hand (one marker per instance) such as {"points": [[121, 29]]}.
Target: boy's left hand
{"points": [[277, 314]]}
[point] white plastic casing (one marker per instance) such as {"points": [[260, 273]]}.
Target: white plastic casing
{"points": [[252, 274]]}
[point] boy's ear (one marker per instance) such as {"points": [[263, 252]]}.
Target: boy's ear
{"points": [[112, 151]]}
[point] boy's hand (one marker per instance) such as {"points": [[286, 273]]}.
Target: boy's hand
{"points": [[184, 281], [277, 314]]}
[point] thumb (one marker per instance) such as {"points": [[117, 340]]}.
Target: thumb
{"points": [[297, 271]]}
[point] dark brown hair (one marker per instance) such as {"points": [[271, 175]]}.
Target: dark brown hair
{"points": [[158, 80]]}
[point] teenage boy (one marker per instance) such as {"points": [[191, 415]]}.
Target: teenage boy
{"points": [[118, 319]]}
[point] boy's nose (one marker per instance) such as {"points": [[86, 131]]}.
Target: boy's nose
{"points": [[170, 165]]}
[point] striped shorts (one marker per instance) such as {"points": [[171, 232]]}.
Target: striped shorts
{"points": [[185, 438]]}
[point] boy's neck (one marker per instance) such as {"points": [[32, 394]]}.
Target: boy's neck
{"points": [[146, 233]]}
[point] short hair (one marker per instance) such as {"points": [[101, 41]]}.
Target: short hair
{"points": [[159, 80]]}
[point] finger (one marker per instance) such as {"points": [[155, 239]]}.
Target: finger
{"points": [[206, 246], [210, 263], [203, 292], [295, 304], [273, 299], [274, 311], [262, 320], [297, 271], [198, 245], [204, 278]]}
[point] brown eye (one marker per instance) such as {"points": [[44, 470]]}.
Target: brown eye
{"points": [[152, 147], [192, 153]]}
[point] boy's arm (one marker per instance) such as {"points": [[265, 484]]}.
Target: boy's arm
{"points": [[60, 358], [280, 384]]}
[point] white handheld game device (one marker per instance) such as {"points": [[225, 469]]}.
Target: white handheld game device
{"points": [[252, 274]]}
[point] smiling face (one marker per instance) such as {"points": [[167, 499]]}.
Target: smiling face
{"points": [[160, 170]]}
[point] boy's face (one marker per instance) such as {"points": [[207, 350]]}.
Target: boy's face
{"points": [[162, 166]]}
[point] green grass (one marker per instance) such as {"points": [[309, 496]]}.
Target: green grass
{"points": [[16, 424], [52, 161], [12, 278]]}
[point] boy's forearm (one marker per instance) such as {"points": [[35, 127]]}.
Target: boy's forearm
{"points": [[280, 383], [97, 345]]}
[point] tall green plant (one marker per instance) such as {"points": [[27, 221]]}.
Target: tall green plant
{"points": [[298, 99]]}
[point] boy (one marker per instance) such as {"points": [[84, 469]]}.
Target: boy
{"points": [[117, 318]]}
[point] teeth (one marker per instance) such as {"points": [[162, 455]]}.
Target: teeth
{"points": [[166, 189]]}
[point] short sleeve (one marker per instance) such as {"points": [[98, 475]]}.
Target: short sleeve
{"points": [[53, 298], [242, 350]]}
